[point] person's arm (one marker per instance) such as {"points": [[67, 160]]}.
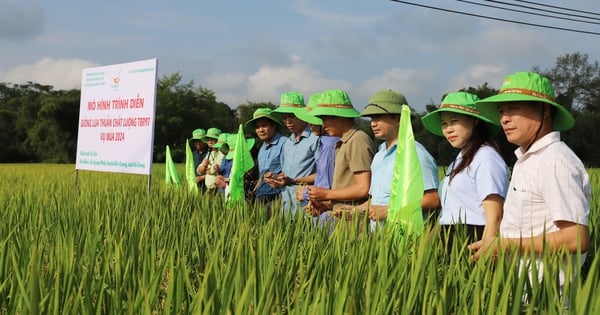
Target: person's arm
{"points": [[492, 210], [571, 236], [356, 191], [430, 200]]}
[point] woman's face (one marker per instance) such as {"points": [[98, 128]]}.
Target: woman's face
{"points": [[457, 128]]}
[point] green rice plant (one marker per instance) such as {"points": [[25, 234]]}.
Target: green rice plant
{"points": [[109, 247]]}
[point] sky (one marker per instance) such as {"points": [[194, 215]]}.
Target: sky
{"points": [[253, 51]]}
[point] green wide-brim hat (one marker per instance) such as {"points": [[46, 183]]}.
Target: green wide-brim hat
{"points": [[527, 87], [231, 142], [384, 103], [290, 102], [197, 134], [304, 113], [221, 140], [211, 133], [335, 102], [259, 113], [461, 103]]}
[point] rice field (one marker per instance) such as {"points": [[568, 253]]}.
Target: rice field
{"points": [[109, 247]]}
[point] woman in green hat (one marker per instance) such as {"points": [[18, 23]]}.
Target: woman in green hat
{"points": [[473, 190]]}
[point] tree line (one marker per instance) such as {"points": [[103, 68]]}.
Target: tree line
{"points": [[40, 124]]}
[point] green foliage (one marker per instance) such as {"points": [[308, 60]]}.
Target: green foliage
{"points": [[107, 247]]}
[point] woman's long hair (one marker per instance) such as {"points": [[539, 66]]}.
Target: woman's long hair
{"points": [[479, 137]]}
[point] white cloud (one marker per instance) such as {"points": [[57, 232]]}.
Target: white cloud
{"points": [[63, 74], [409, 82]]}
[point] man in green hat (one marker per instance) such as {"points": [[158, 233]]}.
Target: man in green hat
{"points": [[210, 165], [384, 109], [548, 201], [298, 152], [353, 154], [265, 125], [199, 152]]}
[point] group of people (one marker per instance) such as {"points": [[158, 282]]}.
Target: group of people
{"points": [[329, 168]]}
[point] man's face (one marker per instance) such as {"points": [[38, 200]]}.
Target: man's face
{"points": [[293, 124], [333, 125], [198, 145], [520, 121], [385, 126], [265, 129], [211, 142]]}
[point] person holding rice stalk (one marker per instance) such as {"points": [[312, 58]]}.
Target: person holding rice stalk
{"points": [[324, 159], [548, 201], [353, 155], [474, 188], [298, 152], [384, 109], [265, 124]]}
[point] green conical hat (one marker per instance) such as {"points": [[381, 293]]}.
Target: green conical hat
{"points": [[335, 102], [304, 113], [259, 113], [526, 87], [198, 134], [290, 102], [231, 142], [221, 140], [461, 103], [385, 102], [211, 133]]}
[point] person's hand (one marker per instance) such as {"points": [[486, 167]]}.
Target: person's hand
{"points": [[220, 181], [487, 246], [300, 193], [317, 193], [199, 178], [345, 212], [378, 212], [318, 207], [215, 169]]}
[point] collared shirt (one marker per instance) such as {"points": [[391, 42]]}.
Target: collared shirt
{"points": [[549, 183], [382, 171], [298, 161], [353, 153], [462, 199], [270, 159]]}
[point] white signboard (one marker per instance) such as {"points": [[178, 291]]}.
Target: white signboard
{"points": [[116, 118]]}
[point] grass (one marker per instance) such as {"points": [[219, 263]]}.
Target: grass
{"points": [[107, 247]]}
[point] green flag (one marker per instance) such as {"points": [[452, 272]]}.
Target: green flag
{"points": [[190, 170], [405, 217], [171, 176], [242, 162]]}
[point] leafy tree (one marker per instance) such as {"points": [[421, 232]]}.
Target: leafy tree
{"points": [[576, 82]]}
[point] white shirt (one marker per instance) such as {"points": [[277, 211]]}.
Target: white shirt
{"points": [[462, 198], [549, 183]]}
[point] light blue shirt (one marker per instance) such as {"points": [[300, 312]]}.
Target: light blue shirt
{"points": [[298, 161], [462, 198], [382, 170], [270, 159]]}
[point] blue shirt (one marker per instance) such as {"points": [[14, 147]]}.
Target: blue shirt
{"points": [[382, 171], [298, 161], [462, 198], [270, 159], [225, 169]]}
